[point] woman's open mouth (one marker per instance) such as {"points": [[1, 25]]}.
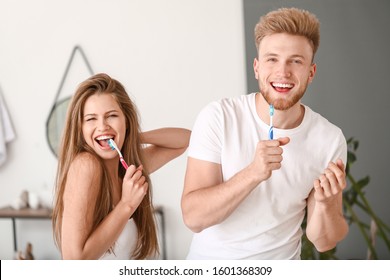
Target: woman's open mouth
{"points": [[102, 140]]}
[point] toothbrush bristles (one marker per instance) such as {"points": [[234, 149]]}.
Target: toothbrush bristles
{"points": [[113, 146]]}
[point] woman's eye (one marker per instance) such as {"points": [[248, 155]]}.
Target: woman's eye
{"points": [[90, 119]]}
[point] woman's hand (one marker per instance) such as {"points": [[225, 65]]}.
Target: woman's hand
{"points": [[134, 187]]}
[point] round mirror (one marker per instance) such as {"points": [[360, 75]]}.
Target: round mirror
{"points": [[55, 124]]}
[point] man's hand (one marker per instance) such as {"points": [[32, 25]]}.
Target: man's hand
{"points": [[268, 157], [330, 184]]}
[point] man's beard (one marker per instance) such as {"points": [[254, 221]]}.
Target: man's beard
{"points": [[283, 104]]}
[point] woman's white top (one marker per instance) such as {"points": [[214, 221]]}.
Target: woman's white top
{"points": [[125, 244]]}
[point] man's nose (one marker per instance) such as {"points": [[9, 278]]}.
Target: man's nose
{"points": [[283, 70]]}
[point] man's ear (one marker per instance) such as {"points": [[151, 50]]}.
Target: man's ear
{"points": [[312, 73], [255, 65]]}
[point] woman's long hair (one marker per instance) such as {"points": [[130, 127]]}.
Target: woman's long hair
{"points": [[73, 143]]}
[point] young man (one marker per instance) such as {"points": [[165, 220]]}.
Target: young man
{"points": [[245, 195]]}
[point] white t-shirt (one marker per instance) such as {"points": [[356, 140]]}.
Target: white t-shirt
{"points": [[267, 224], [125, 244]]}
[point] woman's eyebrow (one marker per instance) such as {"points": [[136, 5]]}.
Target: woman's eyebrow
{"points": [[106, 113], [112, 111], [89, 115]]}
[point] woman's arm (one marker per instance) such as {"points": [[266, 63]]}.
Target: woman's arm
{"points": [[80, 196], [79, 239], [163, 145]]}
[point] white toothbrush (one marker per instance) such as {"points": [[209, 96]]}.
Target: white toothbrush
{"points": [[113, 146], [271, 125]]}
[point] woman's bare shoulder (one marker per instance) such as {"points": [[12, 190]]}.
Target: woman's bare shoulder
{"points": [[85, 162], [85, 168], [82, 186]]}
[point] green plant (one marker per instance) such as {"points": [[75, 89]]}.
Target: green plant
{"points": [[353, 198]]}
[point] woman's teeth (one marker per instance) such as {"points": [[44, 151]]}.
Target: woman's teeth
{"points": [[104, 137], [103, 140]]}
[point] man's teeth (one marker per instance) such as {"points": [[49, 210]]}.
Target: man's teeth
{"points": [[282, 85]]}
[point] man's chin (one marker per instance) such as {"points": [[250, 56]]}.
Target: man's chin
{"points": [[281, 104]]}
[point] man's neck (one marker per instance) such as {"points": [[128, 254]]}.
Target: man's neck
{"points": [[286, 119]]}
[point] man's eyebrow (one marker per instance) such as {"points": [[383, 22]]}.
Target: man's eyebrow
{"points": [[270, 54], [298, 55], [290, 57]]}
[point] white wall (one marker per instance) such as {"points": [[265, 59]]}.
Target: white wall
{"points": [[173, 56]]}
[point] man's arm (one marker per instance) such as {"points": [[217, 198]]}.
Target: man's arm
{"points": [[326, 225]]}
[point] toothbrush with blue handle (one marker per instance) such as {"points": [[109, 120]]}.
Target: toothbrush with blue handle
{"points": [[271, 126], [113, 146]]}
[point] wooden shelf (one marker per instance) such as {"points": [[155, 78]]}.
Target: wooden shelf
{"points": [[46, 213], [25, 213]]}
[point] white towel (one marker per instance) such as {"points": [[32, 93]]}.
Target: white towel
{"points": [[7, 133]]}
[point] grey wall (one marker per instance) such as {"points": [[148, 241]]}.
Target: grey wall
{"points": [[351, 88]]}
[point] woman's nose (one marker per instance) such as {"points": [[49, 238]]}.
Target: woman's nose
{"points": [[102, 124]]}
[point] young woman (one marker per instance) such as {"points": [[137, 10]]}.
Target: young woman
{"points": [[102, 210]]}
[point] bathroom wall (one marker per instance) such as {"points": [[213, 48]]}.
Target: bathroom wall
{"points": [[172, 56]]}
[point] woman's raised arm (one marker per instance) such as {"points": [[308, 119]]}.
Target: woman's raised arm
{"points": [[163, 145]]}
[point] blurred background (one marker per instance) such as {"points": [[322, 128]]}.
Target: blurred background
{"points": [[174, 57]]}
